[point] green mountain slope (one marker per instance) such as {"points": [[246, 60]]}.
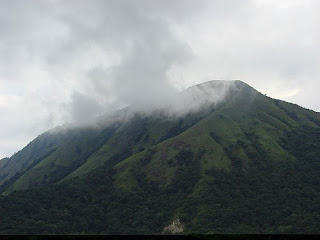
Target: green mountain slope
{"points": [[66, 152], [247, 164]]}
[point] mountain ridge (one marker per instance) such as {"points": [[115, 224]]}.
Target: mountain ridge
{"points": [[93, 158], [246, 163], [127, 115]]}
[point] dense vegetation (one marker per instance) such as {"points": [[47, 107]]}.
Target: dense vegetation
{"points": [[250, 165]]}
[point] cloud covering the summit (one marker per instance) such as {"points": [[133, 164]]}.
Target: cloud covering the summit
{"points": [[69, 61]]}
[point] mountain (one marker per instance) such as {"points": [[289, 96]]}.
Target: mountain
{"points": [[223, 158], [69, 151]]}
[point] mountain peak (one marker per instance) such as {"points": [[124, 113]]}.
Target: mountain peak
{"points": [[234, 85], [215, 92], [221, 82]]}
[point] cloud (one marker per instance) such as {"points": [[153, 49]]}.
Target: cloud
{"points": [[84, 108], [73, 60]]}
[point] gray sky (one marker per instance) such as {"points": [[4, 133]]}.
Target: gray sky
{"points": [[65, 61]]}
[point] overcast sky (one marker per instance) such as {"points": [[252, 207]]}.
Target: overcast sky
{"points": [[69, 60]]}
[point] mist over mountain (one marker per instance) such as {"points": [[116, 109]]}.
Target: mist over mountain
{"points": [[192, 101], [219, 157], [63, 62]]}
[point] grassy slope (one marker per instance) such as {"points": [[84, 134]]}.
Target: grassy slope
{"points": [[85, 150], [214, 134], [72, 149], [137, 135], [39, 149]]}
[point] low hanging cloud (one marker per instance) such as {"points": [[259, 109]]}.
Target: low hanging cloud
{"points": [[71, 61], [86, 58], [84, 108], [142, 46]]}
